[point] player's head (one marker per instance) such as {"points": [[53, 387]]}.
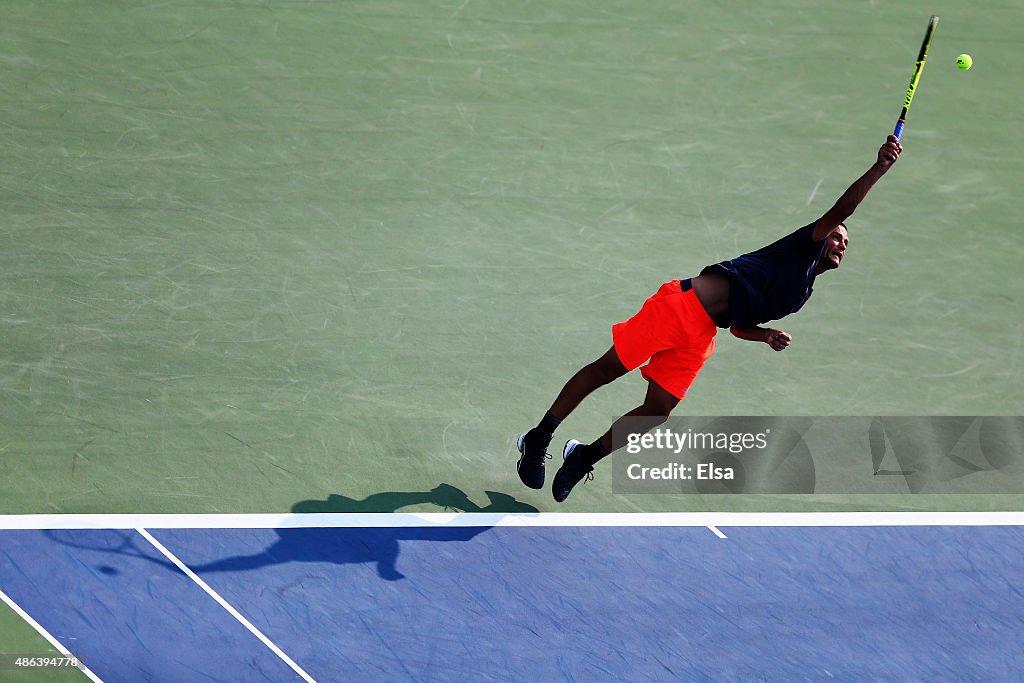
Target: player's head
{"points": [[835, 248]]}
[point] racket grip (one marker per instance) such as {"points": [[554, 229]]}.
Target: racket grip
{"points": [[899, 129]]}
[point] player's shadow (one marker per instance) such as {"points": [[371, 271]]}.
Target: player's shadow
{"points": [[444, 496], [375, 545]]}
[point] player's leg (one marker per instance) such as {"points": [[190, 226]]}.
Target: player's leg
{"points": [[605, 369], [579, 459], [670, 372], [657, 406], [533, 444], [633, 343]]}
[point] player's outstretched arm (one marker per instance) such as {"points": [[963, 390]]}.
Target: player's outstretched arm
{"points": [[777, 339], [888, 153]]}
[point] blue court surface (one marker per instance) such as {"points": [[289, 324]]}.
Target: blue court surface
{"points": [[574, 597]]}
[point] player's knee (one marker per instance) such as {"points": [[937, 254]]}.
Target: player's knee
{"points": [[607, 368], [660, 404], [663, 409]]}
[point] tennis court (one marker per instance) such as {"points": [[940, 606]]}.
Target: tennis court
{"points": [[274, 269], [575, 597]]}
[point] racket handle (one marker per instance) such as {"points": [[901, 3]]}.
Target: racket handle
{"points": [[899, 129]]}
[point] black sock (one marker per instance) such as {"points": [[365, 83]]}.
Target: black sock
{"points": [[548, 423], [591, 453]]}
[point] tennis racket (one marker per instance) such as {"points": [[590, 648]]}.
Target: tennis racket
{"points": [[918, 68]]}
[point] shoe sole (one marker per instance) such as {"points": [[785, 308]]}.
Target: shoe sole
{"points": [[570, 445], [568, 448], [521, 445]]}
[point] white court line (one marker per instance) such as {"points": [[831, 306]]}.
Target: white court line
{"points": [[716, 532], [224, 603], [46, 634], [815, 191], [541, 519]]}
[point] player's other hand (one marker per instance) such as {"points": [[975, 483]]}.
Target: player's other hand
{"points": [[777, 339], [889, 152]]}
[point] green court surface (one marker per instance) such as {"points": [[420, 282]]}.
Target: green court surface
{"points": [[17, 638], [264, 255]]}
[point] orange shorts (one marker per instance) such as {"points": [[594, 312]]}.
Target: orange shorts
{"points": [[674, 331]]}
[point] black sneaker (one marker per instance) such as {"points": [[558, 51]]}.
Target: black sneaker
{"points": [[534, 448], [573, 469]]}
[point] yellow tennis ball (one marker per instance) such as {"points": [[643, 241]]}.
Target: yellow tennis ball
{"points": [[964, 62]]}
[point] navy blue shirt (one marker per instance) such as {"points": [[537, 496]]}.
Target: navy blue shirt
{"points": [[773, 281]]}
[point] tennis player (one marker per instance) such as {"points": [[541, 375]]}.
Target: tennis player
{"points": [[674, 332]]}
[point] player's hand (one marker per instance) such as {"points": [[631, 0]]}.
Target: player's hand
{"points": [[777, 339], [889, 152]]}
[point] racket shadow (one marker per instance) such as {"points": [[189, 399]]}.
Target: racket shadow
{"points": [[125, 544]]}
